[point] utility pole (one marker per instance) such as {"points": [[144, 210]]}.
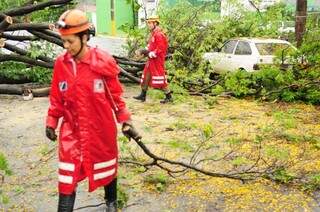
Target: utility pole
{"points": [[113, 21], [301, 17]]}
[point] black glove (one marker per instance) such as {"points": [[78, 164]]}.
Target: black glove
{"points": [[130, 132], [51, 134]]}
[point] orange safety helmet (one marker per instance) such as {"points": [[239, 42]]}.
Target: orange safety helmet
{"points": [[154, 18], [72, 22]]}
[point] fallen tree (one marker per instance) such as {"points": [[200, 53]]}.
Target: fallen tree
{"points": [[10, 22]]}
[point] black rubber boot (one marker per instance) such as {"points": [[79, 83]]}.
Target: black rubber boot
{"points": [[142, 96], [111, 196], [112, 206], [167, 99], [66, 202]]}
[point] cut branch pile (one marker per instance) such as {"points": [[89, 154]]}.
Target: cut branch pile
{"points": [[10, 22]]}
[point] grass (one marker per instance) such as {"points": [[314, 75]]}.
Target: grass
{"points": [[180, 144]]}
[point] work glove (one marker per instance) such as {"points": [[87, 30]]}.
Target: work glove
{"points": [[51, 134], [152, 55], [130, 132]]}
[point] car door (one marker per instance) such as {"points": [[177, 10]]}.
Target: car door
{"points": [[243, 57], [222, 60]]}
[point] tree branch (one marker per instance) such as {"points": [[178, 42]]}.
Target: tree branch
{"points": [[128, 75], [46, 37], [7, 21], [24, 59], [34, 7], [8, 36], [23, 52], [28, 26]]}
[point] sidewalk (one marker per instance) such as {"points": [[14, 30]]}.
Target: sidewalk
{"points": [[113, 45]]}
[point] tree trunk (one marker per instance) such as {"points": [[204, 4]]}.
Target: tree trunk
{"points": [[18, 89], [301, 17]]}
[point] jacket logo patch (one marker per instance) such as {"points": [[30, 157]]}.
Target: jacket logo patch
{"points": [[98, 86], [63, 86]]}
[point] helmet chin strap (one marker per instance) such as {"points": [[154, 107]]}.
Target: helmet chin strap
{"points": [[79, 49], [154, 26]]}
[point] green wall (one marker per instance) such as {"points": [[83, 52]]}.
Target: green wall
{"points": [[103, 8], [123, 15]]}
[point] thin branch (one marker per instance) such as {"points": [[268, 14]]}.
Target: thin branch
{"points": [[293, 86], [205, 88], [171, 162], [34, 7]]}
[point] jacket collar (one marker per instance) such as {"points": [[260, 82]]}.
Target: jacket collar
{"points": [[86, 59], [100, 62]]}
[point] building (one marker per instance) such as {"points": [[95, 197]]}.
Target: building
{"points": [[229, 7]]}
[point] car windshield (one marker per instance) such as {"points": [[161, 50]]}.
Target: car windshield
{"points": [[272, 48]]}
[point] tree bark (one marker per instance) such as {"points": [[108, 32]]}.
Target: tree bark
{"points": [[24, 59], [46, 37], [51, 33], [27, 26], [129, 76], [132, 70], [132, 63], [10, 89], [17, 89], [8, 36]]}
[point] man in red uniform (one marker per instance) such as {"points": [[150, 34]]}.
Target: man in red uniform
{"points": [[86, 94], [154, 73]]}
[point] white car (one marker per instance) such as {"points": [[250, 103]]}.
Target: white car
{"points": [[246, 54]]}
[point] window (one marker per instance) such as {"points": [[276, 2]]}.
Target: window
{"points": [[272, 48], [228, 47], [243, 48]]}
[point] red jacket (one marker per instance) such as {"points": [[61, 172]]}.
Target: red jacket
{"points": [[158, 44], [87, 96]]}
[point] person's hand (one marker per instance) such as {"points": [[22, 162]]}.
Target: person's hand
{"points": [[130, 132], [152, 55], [51, 134]]}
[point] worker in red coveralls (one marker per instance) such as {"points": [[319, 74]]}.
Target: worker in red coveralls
{"points": [[86, 94], [154, 73]]}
